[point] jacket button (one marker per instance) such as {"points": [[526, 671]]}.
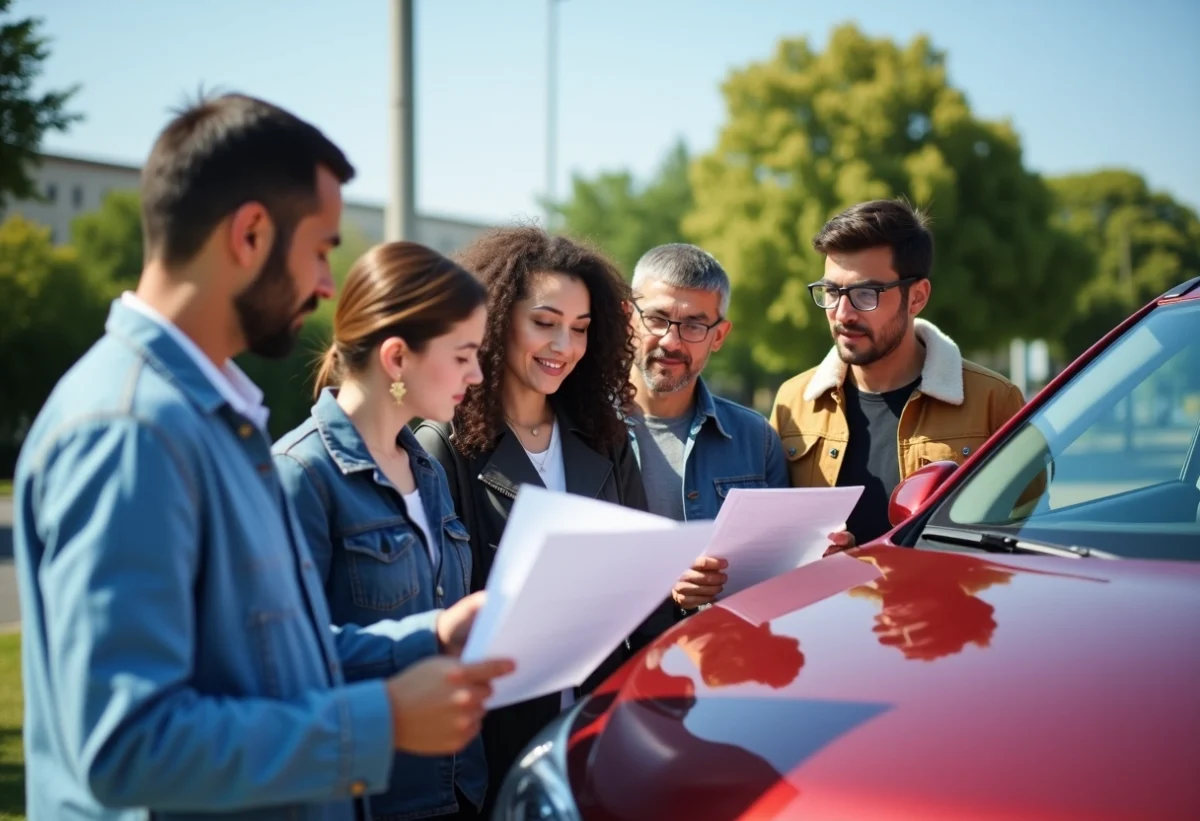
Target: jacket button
{"points": [[440, 591], [357, 789], [833, 452], [791, 451], [966, 451], [245, 430], [694, 494]]}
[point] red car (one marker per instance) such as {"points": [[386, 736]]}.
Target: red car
{"points": [[1024, 645]]}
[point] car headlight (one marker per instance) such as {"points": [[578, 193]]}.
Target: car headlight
{"points": [[537, 787]]}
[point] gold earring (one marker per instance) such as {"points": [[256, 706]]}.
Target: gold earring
{"points": [[398, 390]]}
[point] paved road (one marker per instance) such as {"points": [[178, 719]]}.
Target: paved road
{"points": [[9, 612]]}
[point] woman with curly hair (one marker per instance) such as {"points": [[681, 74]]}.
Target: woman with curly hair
{"points": [[555, 358]]}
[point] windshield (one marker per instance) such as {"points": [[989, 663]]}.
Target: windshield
{"points": [[1111, 461]]}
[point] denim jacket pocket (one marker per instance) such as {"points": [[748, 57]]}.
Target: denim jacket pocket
{"points": [[382, 568], [723, 486]]}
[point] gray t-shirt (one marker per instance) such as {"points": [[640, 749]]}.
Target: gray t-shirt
{"points": [[661, 442]]}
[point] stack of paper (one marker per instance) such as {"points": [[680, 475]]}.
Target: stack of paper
{"points": [[573, 576]]}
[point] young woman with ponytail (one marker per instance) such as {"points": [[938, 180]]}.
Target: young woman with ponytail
{"points": [[375, 509]]}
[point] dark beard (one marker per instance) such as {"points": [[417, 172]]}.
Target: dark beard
{"points": [[266, 310], [890, 337]]}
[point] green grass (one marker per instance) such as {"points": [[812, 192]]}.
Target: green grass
{"points": [[12, 755], [5, 487]]}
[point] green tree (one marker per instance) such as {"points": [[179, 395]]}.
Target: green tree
{"points": [[50, 312], [24, 117], [626, 219], [109, 240], [810, 133], [1143, 243]]}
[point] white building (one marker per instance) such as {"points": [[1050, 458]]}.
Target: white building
{"points": [[75, 185]]}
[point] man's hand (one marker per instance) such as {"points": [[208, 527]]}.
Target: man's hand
{"points": [[840, 540], [701, 584], [454, 623], [437, 704]]}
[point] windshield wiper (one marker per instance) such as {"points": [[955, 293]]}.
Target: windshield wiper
{"points": [[1003, 543]]}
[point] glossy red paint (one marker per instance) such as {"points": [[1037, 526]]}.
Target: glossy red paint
{"points": [[898, 683], [916, 489]]}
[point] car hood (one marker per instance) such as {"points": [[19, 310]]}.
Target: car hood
{"points": [[894, 683]]}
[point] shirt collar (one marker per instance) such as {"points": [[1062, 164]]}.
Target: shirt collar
{"points": [[229, 380]]}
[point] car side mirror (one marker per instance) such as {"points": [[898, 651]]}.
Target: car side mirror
{"points": [[916, 489]]}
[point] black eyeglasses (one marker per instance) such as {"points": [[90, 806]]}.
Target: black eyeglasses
{"points": [[862, 297], [689, 330]]}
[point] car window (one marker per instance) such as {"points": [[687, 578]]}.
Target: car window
{"points": [[1111, 461]]}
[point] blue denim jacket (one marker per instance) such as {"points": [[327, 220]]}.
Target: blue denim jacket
{"points": [[728, 446], [374, 566], [177, 651]]}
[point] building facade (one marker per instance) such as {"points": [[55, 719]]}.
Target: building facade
{"points": [[74, 185]]}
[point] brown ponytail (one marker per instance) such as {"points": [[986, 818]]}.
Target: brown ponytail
{"points": [[395, 289], [327, 372]]}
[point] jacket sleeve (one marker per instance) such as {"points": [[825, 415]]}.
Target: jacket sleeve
{"points": [[776, 469], [375, 651], [312, 511], [116, 507]]}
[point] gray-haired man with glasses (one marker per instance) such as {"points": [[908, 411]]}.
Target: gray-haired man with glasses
{"points": [[894, 393], [693, 447]]}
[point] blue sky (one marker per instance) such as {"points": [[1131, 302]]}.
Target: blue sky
{"points": [[1086, 83]]}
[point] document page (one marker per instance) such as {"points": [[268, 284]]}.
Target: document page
{"points": [[572, 578], [763, 532]]}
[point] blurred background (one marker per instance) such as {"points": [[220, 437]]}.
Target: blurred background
{"points": [[1053, 145]]}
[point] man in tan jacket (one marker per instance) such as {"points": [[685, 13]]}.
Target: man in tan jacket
{"points": [[894, 393]]}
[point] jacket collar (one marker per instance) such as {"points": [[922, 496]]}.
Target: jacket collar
{"points": [[343, 442], [586, 470], [162, 351], [706, 408], [941, 376]]}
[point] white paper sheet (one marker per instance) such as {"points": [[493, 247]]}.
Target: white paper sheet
{"points": [[572, 578], [764, 532]]}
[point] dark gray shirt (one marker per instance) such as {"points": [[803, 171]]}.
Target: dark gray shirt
{"points": [[661, 442], [872, 455]]}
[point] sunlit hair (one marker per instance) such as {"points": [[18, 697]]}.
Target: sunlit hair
{"points": [[594, 392], [397, 289]]}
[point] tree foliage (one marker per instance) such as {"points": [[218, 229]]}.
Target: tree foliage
{"points": [[51, 310], [109, 240], [626, 219], [1142, 243], [810, 133], [25, 117]]}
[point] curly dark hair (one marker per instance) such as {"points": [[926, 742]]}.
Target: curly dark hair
{"points": [[593, 394]]}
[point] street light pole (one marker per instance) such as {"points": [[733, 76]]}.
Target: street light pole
{"points": [[551, 107], [400, 223]]}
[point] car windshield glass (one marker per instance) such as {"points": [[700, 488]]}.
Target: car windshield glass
{"points": [[1111, 461]]}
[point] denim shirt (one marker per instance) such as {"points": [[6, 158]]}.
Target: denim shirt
{"points": [[729, 446], [177, 653], [373, 565]]}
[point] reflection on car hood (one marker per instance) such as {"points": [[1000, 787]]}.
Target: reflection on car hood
{"points": [[905, 683]]}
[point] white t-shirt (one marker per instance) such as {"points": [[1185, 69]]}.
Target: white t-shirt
{"points": [[416, 512], [549, 465]]}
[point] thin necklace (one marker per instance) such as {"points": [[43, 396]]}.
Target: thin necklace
{"points": [[536, 430], [540, 464]]}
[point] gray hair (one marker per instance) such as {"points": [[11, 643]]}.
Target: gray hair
{"points": [[683, 266]]}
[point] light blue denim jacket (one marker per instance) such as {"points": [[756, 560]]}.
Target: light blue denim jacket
{"points": [[177, 653], [729, 446], [374, 565]]}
